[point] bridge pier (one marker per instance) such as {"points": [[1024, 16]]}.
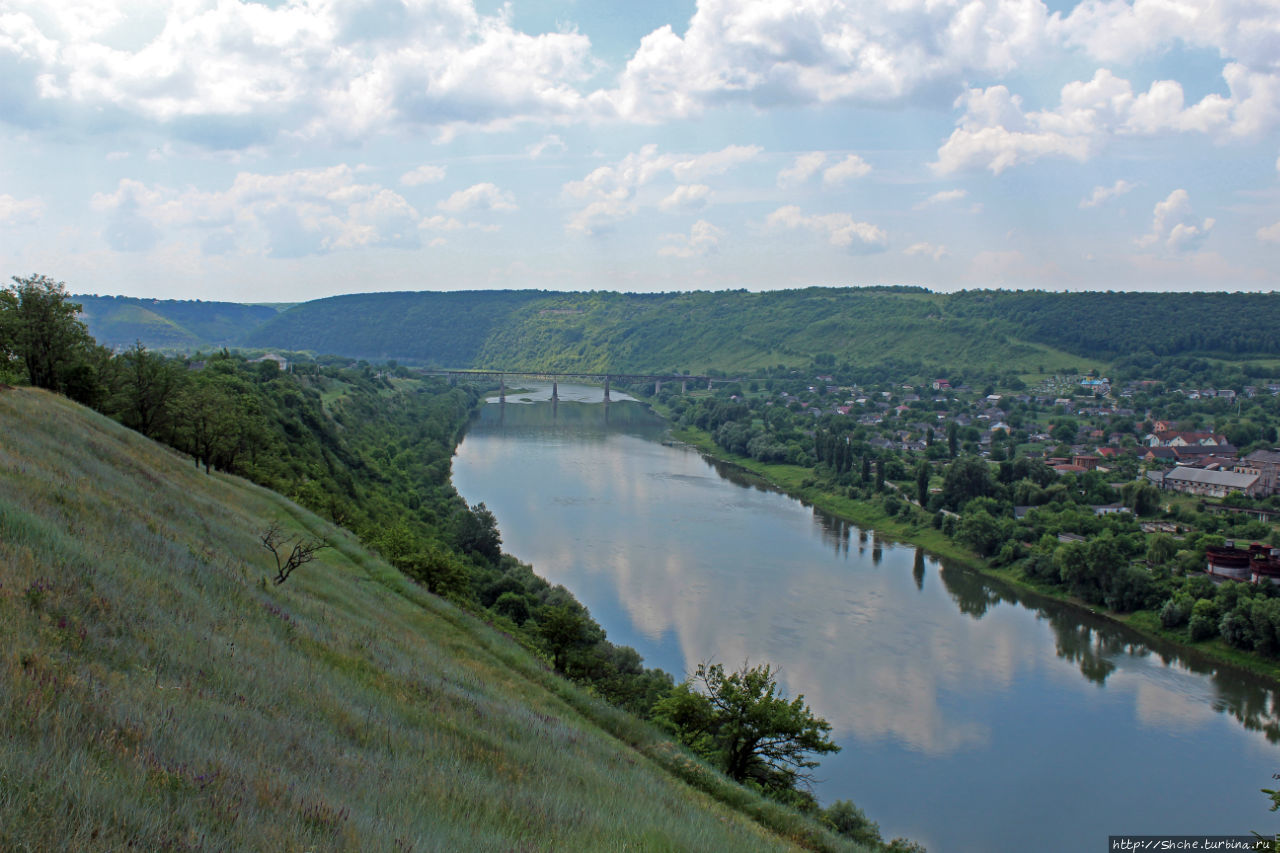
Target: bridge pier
{"points": [[708, 384], [502, 388], [555, 390], [684, 387], [606, 389], [657, 387]]}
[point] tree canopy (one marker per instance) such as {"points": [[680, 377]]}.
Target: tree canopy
{"points": [[740, 722], [40, 329]]}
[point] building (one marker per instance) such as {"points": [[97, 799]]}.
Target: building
{"points": [[1266, 464], [1214, 484]]}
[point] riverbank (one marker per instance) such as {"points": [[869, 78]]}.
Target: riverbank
{"points": [[916, 530]]}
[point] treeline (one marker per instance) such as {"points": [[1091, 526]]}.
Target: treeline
{"points": [[1112, 324]]}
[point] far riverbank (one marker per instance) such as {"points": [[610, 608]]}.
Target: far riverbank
{"points": [[917, 530]]}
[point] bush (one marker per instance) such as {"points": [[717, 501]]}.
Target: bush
{"points": [[1204, 620], [1176, 611]]}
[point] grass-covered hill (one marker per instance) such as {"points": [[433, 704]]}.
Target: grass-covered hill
{"points": [[157, 692], [118, 321]]}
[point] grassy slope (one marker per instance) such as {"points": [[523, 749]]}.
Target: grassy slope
{"points": [[155, 693]]}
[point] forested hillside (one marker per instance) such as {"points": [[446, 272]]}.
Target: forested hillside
{"points": [[438, 328], [911, 332], [118, 321]]}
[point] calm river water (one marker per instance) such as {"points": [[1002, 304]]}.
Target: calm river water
{"points": [[972, 718]]}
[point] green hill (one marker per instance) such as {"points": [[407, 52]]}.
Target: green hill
{"points": [[911, 332], [157, 692], [118, 321]]}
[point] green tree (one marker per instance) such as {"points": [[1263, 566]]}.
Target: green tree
{"points": [[144, 388], [477, 532], [741, 722], [922, 483], [953, 438], [565, 628], [40, 328]]}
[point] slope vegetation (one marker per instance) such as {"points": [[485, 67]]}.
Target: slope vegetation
{"points": [[118, 321], [157, 692]]}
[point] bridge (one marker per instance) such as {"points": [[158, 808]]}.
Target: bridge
{"points": [[555, 378]]}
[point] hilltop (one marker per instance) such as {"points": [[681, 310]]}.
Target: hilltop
{"points": [[159, 692]]}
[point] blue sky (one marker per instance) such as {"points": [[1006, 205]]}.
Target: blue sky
{"points": [[283, 151]]}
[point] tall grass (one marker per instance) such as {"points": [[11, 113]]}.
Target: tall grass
{"points": [[157, 692]]}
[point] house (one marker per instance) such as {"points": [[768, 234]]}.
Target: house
{"points": [[1216, 484], [1086, 462]]}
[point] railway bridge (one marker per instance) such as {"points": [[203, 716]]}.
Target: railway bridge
{"points": [[555, 378]]}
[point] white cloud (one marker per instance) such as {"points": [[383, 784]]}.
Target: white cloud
{"points": [[942, 197], [1101, 194], [804, 168], [995, 133], [20, 211], [484, 196], [1174, 224], [687, 198], [703, 239], [764, 53], [304, 212], [422, 175], [610, 190], [839, 229], [551, 142], [232, 74], [932, 251], [851, 167], [1270, 233], [1122, 32]]}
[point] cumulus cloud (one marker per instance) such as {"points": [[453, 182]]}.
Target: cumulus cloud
{"points": [[298, 213], [609, 191], [1117, 31], [422, 175], [804, 168], [839, 229], [851, 167], [942, 197], [764, 53], [236, 73], [995, 132], [1101, 194], [687, 198], [485, 196], [703, 239], [20, 211], [927, 249], [1270, 233], [1174, 225]]}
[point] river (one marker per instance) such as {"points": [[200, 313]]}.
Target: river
{"points": [[972, 717]]}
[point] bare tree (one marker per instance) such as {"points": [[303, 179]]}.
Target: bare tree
{"points": [[302, 550]]}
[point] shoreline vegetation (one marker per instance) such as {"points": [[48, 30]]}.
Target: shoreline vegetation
{"points": [[796, 482]]}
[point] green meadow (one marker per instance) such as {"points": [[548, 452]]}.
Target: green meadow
{"points": [[159, 692]]}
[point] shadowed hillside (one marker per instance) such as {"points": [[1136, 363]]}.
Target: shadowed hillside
{"points": [[157, 692], [118, 321]]}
